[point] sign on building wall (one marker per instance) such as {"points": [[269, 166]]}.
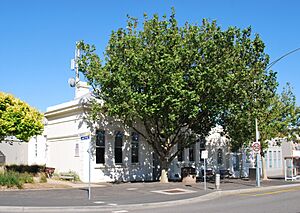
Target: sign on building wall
{"points": [[85, 136]]}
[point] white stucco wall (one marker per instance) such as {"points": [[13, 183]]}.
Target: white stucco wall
{"points": [[15, 152]]}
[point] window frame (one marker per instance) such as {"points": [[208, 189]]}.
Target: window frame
{"points": [[135, 148], [118, 148], [100, 147]]}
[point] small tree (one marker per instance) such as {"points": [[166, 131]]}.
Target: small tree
{"points": [[280, 117], [18, 119], [174, 81]]}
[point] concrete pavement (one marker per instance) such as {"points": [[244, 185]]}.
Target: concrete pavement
{"points": [[109, 196]]}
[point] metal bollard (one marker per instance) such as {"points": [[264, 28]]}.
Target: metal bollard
{"points": [[217, 181]]}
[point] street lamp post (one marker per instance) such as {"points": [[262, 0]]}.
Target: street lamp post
{"points": [[256, 125]]}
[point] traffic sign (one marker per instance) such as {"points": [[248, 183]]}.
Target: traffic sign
{"points": [[256, 147], [204, 154]]}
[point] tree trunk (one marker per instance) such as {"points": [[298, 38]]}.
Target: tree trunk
{"points": [[264, 168], [164, 171]]}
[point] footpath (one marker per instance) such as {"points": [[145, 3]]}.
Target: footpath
{"points": [[72, 197]]}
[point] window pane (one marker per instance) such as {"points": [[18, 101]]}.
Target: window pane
{"points": [[180, 153], [275, 159], [279, 159], [77, 150], [191, 153], [119, 140], [220, 156], [100, 155], [100, 140], [270, 159], [118, 155], [134, 148]]}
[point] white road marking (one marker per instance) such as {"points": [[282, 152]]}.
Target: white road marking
{"points": [[99, 202], [131, 189]]}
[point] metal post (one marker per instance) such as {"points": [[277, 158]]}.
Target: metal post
{"points": [[257, 157], [77, 57], [89, 196], [204, 173]]}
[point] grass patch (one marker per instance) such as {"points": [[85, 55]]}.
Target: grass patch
{"points": [[15, 179]]}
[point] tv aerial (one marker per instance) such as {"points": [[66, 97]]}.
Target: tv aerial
{"points": [[74, 66]]}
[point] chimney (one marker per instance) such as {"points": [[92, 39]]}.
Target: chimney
{"points": [[81, 89]]}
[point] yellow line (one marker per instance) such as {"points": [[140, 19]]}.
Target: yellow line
{"points": [[271, 192]]}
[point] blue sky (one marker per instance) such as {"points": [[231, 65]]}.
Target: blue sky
{"points": [[37, 37]]}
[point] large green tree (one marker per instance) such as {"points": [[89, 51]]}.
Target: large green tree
{"points": [[18, 119], [172, 82]]}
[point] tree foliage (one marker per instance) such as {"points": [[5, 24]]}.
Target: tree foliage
{"points": [[18, 119], [178, 81]]}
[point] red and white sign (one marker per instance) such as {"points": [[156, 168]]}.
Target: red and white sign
{"points": [[256, 147]]}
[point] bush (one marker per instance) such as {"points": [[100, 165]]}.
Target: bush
{"points": [[43, 178], [33, 169], [26, 178], [10, 179]]}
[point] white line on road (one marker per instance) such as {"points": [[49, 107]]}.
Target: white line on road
{"points": [[99, 202]]}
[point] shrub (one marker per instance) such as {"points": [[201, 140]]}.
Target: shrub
{"points": [[43, 178], [10, 179], [26, 178], [33, 169]]}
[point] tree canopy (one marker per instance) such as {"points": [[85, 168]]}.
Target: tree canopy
{"points": [[179, 81], [18, 119]]}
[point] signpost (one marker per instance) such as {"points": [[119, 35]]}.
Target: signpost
{"points": [[256, 147], [204, 155], [87, 136]]}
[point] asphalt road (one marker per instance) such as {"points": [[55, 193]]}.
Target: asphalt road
{"points": [[144, 197], [285, 200]]}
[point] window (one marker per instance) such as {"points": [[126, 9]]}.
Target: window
{"points": [[275, 159], [279, 159], [192, 152], [236, 163], [77, 150], [100, 146], [180, 153], [134, 147], [220, 156], [118, 147], [36, 149], [270, 159]]}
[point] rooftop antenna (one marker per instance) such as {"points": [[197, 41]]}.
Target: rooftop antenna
{"points": [[74, 66]]}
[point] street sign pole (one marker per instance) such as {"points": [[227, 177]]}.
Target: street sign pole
{"points": [[205, 174], [257, 156], [87, 137], [89, 196], [204, 155]]}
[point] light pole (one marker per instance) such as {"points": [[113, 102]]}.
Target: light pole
{"points": [[256, 125]]}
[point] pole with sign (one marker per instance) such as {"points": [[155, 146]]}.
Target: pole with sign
{"points": [[256, 149], [204, 155], [87, 137]]}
